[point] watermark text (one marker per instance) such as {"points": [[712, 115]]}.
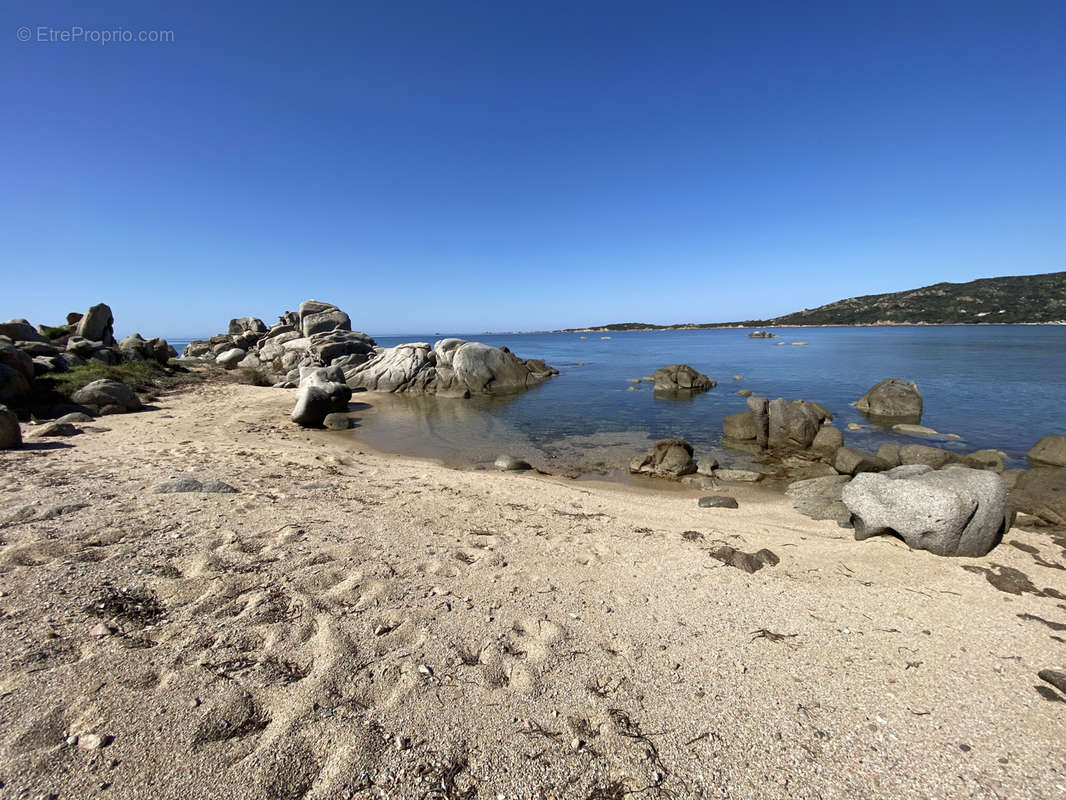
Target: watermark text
{"points": [[76, 34]]}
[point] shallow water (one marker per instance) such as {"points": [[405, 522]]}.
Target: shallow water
{"points": [[995, 386]]}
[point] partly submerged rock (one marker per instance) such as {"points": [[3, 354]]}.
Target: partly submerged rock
{"points": [[681, 378], [892, 397], [1042, 493], [508, 463], [1050, 451]]}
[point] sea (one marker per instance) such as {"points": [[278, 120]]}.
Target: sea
{"points": [[994, 386]]}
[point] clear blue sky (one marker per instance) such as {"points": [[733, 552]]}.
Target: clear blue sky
{"points": [[493, 165]]}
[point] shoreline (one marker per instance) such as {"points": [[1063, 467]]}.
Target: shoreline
{"points": [[351, 623]]}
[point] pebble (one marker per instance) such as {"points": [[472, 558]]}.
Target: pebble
{"points": [[101, 629], [94, 741], [402, 742]]}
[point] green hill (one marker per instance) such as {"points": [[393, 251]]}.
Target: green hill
{"points": [[1013, 299]]}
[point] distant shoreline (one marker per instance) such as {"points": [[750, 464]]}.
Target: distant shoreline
{"points": [[785, 325]]}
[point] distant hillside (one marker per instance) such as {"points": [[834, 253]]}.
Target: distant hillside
{"points": [[1018, 298]]}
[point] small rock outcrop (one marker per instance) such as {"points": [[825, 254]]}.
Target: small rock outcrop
{"points": [[107, 397], [849, 461], [1050, 451], [681, 378], [777, 423], [893, 398], [668, 458], [951, 512], [450, 368], [97, 325], [506, 463], [762, 335]]}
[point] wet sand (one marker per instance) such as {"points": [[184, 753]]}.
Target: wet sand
{"points": [[352, 624]]}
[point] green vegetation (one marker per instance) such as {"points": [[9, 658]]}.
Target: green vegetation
{"points": [[52, 333], [1013, 299], [145, 377]]}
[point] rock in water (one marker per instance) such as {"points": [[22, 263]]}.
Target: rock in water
{"points": [[669, 458], [892, 397], [337, 421], [681, 378], [10, 433], [510, 463], [1050, 451], [952, 512], [107, 397], [740, 427]]}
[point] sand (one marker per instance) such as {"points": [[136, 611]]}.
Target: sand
{"points": [[354, 624]]}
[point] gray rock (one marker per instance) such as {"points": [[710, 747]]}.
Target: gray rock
{"points": [[81, 346], [1050, 451], [75, 417], [699, 481], [15, 375], [718, 501], [668, 458], [793, 425], [213, 486], [33, 349], [681, 378], [197, 348], [761, 335], [510, 463], [952, 512], [186, 483], [892, 397], [739, 475], [930, 456], [316, 317], [760, 410], [334, 344], [452, 367], [740, 427], [914, 430], [994, 460], [745, 392], [19, 330], [889, 453], [312, 406], [10, 432], [819, 498], [54, 429], [107, 397], [828, 440], [1041, 492], [246, 325], [851, 462], [707, 466], [337, 421], [97, 325], [229, 359]]}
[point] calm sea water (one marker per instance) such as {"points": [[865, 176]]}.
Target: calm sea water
{"points": [[996, 386]]}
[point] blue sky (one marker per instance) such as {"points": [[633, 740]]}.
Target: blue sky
{"points": [[494, 165]]}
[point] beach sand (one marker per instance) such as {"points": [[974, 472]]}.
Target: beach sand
{"points": [[353, 624]]}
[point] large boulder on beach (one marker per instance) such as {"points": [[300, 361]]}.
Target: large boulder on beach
{"points": [[107, 397], [451, 367], [327, 346], [322, 392], [1042, 493], [17, 371], [681, 378], [892, 397], [828, 440], [97, 325], [10, 432], [1050, 451], [819, 498], [952, 512], [668, 458]]}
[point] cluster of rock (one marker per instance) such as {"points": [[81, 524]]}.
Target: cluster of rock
{"points": [[681, 378], [772, 424], [762, 335], [319, 335], [450, 368], [27, 352]]}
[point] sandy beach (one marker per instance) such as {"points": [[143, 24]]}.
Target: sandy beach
{"points": [[354, 624]]}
